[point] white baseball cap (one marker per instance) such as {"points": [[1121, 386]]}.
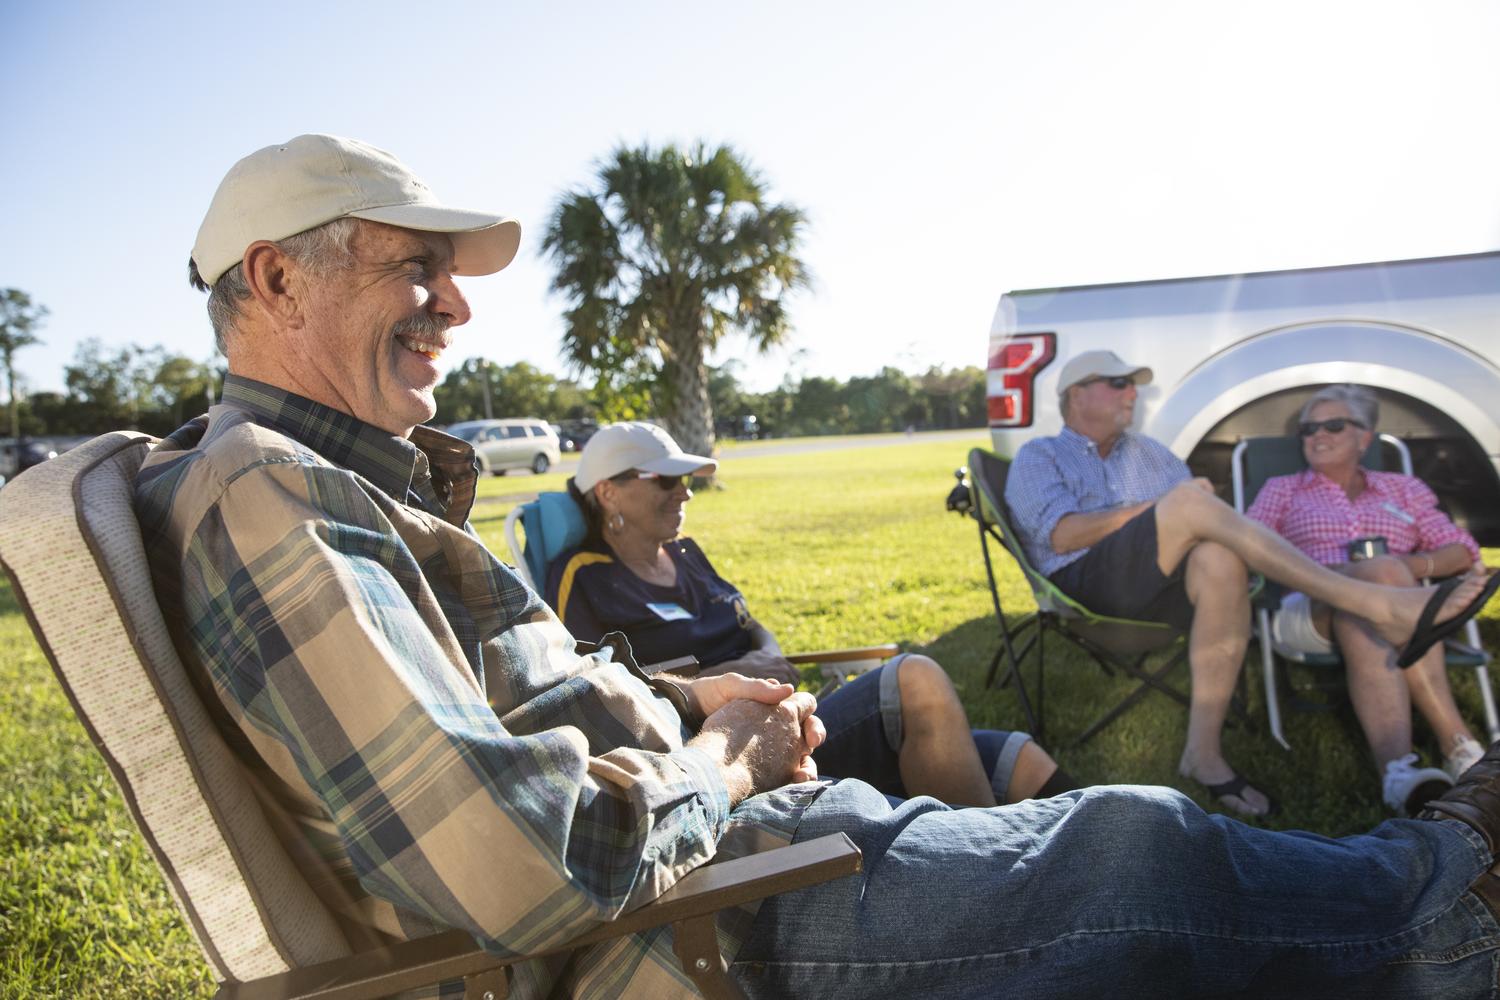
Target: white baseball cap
{"points": [[617, 448], [284, 190], [1100, 364]]}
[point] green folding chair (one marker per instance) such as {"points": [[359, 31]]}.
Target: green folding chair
{"points": [[1255, 460], [1115, 644]]}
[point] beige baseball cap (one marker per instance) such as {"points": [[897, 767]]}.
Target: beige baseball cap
{"points": [[1099, 364], [284, 190], [617, 448]]}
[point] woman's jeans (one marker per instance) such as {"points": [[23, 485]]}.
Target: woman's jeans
{"points": [[1122, 891]]}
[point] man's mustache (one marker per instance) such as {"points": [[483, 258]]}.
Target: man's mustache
{"points": [[423, 327]]}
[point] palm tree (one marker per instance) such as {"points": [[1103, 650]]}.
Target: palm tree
{"points": [[673, 250], [18, 317]]}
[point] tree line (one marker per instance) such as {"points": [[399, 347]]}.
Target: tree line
{"points": [[889, 400], [153, 390]]}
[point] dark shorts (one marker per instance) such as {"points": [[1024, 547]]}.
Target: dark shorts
{"points": [[1119, 577], [866, 732]]}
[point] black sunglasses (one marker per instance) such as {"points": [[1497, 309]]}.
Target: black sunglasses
{"points": [[1116, 382], [665, 483], [1335, 426]]}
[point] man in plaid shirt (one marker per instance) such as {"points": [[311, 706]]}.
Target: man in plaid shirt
{"points": [[431, 730], [1119, 524]]}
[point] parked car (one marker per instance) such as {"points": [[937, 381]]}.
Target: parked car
{"points": [[17, 458], [1235, 356], [510, 444], [574, 434]]}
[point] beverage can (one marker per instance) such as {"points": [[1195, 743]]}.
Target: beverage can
{"points": [[1367, 548]]}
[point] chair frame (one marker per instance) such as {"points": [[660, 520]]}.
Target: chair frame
{"points": [[1466, 653], [71, 568], [1113, 643]]}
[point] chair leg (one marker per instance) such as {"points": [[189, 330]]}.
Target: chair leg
{"points": [[1034, 721], [1268, 675], [1482, 675], [1013, 673], [1009, 652], [696, 942], [989, 677], [1149, 681], [1041, 682], [1487, 695]]}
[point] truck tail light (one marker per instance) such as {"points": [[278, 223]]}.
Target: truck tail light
{"points": [[1017, 360]]}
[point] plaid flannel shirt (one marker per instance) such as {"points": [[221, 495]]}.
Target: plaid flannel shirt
{"points": [[1315, 514], [415, 710]]}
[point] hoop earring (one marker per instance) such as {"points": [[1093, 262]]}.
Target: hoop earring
{"points": [[615, 522]]}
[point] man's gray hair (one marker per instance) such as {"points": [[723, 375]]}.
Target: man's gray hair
{"points": [[321, 250], [1360, 399]]}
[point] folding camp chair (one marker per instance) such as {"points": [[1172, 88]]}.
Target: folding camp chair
{"points": [[70, 543], [552, 524], [1114, 643], [1255, 460]]}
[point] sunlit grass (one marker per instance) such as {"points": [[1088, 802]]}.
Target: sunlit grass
{"points": [[832, 548]]}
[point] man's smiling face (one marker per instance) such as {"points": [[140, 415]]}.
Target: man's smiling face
{"points": [[375, 330]]}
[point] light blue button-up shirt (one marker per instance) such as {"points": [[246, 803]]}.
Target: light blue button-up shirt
{"points": [[1053, 477]]}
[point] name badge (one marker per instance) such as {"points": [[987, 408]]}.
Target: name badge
{"points": [[1398, 513], [670, 612]]}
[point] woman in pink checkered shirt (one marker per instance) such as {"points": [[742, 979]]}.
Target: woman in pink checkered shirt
{"points": [[1321, 510]]}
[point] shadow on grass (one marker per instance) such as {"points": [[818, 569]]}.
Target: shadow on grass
{"points": [[8, 603], [1326, 783]]}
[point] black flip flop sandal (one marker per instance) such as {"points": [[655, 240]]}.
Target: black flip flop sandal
{"points": [[1426, 635]]}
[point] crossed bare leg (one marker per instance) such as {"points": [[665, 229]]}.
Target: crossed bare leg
{"points": [[1189, 514]]}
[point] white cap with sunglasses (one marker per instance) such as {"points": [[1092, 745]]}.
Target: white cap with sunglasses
{"points": [[619, 448], [1092, 365]]}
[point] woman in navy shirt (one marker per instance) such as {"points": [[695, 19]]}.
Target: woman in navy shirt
{"points": [[900, 728]]}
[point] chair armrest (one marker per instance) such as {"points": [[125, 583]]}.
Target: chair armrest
{"points": [[686, 666], [881, 652], [453, 954]]}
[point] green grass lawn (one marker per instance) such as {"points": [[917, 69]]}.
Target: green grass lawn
{"points": [[831, 548]]}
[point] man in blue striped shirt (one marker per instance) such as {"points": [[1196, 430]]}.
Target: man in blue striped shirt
{"points": [[1119, 524]]}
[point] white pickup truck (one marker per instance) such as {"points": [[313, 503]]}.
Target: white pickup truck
{"points": [[1235, 355]]}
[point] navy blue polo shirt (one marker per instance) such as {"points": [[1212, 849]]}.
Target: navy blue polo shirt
{"points": [[700, 615]]}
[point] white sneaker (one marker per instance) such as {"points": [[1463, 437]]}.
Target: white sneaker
{"points": [[1464, 755], [1403, 780]]}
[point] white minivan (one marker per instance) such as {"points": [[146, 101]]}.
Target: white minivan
{"points": [[509, 444], [1235, 356]]}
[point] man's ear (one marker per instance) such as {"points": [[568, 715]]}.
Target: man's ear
{"points": [[268, 276]]}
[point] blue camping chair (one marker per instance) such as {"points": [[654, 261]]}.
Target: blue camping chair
{"points": [[553, 523]]}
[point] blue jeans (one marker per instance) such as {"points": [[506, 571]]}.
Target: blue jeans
{"points": [[865, 733], [1123, 891]]}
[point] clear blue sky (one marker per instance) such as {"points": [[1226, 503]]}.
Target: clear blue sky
{"points": [[944, 152]]}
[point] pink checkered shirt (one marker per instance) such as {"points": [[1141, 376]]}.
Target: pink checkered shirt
{"points": [[1314, 514]]}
